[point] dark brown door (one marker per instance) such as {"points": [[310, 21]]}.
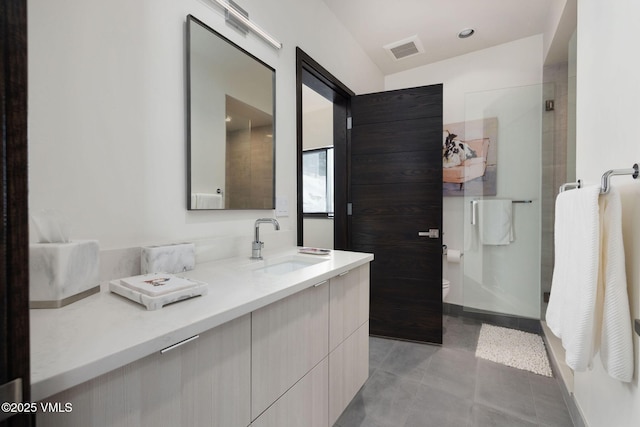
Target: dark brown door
{"points": [[396, 195], [14, 242]]}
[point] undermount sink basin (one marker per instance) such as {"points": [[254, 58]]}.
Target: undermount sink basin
{"points": [[286, 265]]}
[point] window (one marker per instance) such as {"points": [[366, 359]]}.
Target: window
{"points": [[317, 181]]}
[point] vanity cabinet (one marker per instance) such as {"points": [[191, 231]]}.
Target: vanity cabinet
{"points": [[289, 337], [349, 304], [297, 361], [202, 382], [348, 371], [310, 353], [348, 338], [305, 404]]}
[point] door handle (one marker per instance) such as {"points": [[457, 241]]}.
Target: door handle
{"points": [[474, 212], [433, 233]]}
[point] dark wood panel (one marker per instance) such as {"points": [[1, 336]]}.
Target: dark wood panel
{"points": [[424, 133], [423, 325], [397, 199], [392, 168], [311, 73], [341, 162], [398, 105], [404, 292], [401, 234], [414, 263], [14, 229], [396, 191]]}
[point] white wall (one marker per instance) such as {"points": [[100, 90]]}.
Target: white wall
{"points": [[107, 141], [607, 110], [317, 128], [514, 64]]}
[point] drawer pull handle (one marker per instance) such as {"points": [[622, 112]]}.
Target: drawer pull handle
{"points": [[178, 344], [344, 274], [320, 284]]}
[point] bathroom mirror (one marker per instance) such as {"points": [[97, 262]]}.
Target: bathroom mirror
{"points": [[230, 119]]}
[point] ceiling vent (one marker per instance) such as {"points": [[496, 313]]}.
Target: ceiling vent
{"points": [[405, 48]]}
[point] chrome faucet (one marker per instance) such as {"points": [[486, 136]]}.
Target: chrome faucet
{"points": [[257, 245]]}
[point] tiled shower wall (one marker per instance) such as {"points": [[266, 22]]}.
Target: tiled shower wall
{"points": [[249, 166], [554, 163]]}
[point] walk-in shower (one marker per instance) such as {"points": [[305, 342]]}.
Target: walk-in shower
{"points": [[502, 208]]}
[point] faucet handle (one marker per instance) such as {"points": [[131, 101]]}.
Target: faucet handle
{"points": [[256, 249]]}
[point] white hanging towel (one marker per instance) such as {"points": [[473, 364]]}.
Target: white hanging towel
{"points": [[495, 221], [571, 313], [616, 341], [209, 201]]}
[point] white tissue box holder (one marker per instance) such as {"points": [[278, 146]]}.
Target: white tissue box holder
{"points": [[62, 273], [175, 258]]}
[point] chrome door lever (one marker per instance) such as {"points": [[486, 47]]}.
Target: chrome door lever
{"points": [[433, 233]]}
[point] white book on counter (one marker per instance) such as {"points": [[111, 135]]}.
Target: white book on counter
{"points": [[155, 284]]}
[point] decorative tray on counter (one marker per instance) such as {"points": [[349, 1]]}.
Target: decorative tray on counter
{"points": [[314, 251], [156, 290]]}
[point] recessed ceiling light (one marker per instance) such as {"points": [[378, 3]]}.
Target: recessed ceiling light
{"points": [[467, 32]]}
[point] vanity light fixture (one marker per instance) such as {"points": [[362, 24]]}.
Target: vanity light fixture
{"points": [[238, 16], [467, 32]]}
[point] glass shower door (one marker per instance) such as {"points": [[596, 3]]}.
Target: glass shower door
{"points": [[502, 194]]}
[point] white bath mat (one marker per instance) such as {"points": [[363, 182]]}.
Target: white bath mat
{"points": [[521, 350]]}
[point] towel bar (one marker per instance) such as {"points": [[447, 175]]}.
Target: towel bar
{"points": [[569, 185], [475, 202], [634, 171], [604, 187]]}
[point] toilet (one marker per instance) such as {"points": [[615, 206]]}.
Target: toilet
{"points": [[445, 282], [445, 288]]}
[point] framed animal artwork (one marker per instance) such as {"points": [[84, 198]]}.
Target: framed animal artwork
{"points": [[469, 158]]}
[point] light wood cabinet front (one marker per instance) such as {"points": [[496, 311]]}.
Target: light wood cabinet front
{"points": [[205, 382], [305, 404], [349, 304], [296, 362], [289, 337], [348, 371]]}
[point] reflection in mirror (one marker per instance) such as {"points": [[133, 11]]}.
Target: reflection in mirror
{"points": [[230, 124], [317, 169], [317, 181]]}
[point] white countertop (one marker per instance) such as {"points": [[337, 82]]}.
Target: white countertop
{"points": [[78, 342]]}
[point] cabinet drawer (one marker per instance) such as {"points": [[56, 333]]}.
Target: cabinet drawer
{"points": [[305, 404], [203, 382], [348, 371], [349, 304], [289, 337]]}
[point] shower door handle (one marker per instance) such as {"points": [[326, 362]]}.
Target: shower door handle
{"points": [[433, 233], [474, 212]]}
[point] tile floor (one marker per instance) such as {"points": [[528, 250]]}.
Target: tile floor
{"points": [[418, 385]]}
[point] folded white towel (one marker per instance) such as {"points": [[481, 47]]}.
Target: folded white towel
{"points": [[495, 219], [209, 201], [616, 342], [572, 304]]}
